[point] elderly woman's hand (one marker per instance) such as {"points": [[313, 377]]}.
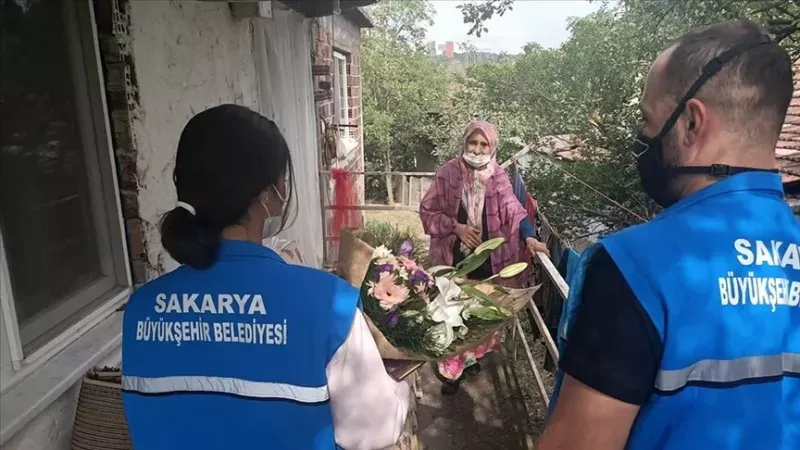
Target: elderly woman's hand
{"points": [[535, 246], [469, 236]]}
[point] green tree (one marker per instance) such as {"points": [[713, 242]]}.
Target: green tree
{"points": [[780, 17], [406, 21], [401, 85], [589, 89]]}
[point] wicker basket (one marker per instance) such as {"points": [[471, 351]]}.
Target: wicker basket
{"points": [[100, 418]]}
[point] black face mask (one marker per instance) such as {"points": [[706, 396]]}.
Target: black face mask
{"points": [[656, 177]]}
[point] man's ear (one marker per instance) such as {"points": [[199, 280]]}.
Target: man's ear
{"points": [[696, 130], [697, 114]]}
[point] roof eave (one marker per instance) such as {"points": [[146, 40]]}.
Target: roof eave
{"points": [[359, 17], [324, 8]]}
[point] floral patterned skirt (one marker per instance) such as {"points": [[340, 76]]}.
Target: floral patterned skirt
{"points": [[452, 368]]}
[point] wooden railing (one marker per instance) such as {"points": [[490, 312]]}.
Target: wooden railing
{"points": [[405, 203], [551, 281]]}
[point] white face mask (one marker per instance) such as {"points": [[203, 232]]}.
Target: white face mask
{"points": [[272, 225], [476, 161]]}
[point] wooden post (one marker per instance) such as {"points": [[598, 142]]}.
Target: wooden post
{"points": [[389, 184]]}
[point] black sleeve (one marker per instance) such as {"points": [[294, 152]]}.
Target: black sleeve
{"points": [[613, 346]]}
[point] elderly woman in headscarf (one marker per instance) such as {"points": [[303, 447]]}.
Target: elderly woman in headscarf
{"points": [[471, 201]]}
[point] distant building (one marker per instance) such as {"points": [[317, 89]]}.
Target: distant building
{"points": [[449, 49]]}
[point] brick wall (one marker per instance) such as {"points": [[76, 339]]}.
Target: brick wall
{"points": [[323, 84], [338, 34], [122, 97]]}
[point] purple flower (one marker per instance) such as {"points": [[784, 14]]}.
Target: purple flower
{"points": [[393, 318], [380, 268], [417, 277], [406, 248]]}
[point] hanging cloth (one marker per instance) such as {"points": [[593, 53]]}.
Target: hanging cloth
{"points": [[532, 208], [344, 201], [518, 184]]}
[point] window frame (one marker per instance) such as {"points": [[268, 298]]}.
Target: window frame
{"points": [[340, 81], [89, 306]]}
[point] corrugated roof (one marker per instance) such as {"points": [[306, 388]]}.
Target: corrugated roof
{"points": [[788, 149]]}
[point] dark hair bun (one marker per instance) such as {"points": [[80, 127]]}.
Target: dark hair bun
{"points": [[227, 156], [187, 241]]}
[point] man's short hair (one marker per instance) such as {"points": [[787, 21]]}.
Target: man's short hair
{"points": [[752, 91]]}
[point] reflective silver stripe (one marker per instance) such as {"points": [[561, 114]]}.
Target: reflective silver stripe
{"points": [[221, 385], [729, 371]]}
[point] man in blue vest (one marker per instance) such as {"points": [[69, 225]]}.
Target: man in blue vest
{"points": [[688, 332]]}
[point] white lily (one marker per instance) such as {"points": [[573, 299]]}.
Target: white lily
{"points": [[448, 288], [468, 305], [381, 253], [446, 309], [442, 336]]}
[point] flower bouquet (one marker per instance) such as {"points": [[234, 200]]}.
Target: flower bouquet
{"points": [[428, 314]]}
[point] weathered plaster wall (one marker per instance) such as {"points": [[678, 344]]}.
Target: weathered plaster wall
{"points": [[163, 62], [188, 56]]}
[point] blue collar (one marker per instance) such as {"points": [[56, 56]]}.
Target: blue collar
{"points": [[769, 183], [229, 249]]}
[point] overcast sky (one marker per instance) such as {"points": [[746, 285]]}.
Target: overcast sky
{"points": [[540, 21]]}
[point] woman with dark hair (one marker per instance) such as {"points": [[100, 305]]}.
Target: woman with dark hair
{"points": [[237, 349]]}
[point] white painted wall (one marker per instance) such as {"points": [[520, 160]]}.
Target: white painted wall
{"points": [[188, 56]]}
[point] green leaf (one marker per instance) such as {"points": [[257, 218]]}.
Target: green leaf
{"points": [[478, 257], [470, 263], [489, 246], [501, 289], [489, 313], [474, 292], [513, 270], [439, 271]]}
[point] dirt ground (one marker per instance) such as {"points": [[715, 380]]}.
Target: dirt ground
{"points": [[497, 409], [500, 408]]}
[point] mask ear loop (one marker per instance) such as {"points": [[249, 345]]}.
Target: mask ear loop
{"points": [[278, 193], [709, 70], [263, 202], [645, 147]]}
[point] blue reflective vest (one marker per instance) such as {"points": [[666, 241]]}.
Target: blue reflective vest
{"points": [[234, 357], [719, 275], [576, 273]]}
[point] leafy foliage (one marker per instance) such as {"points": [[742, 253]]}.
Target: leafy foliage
{"points": [[477, 14], [588, 90], [378, 232], [780, 17], [401, 85]]}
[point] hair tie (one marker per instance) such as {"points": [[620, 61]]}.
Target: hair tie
{"points": [[187, 207]]}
